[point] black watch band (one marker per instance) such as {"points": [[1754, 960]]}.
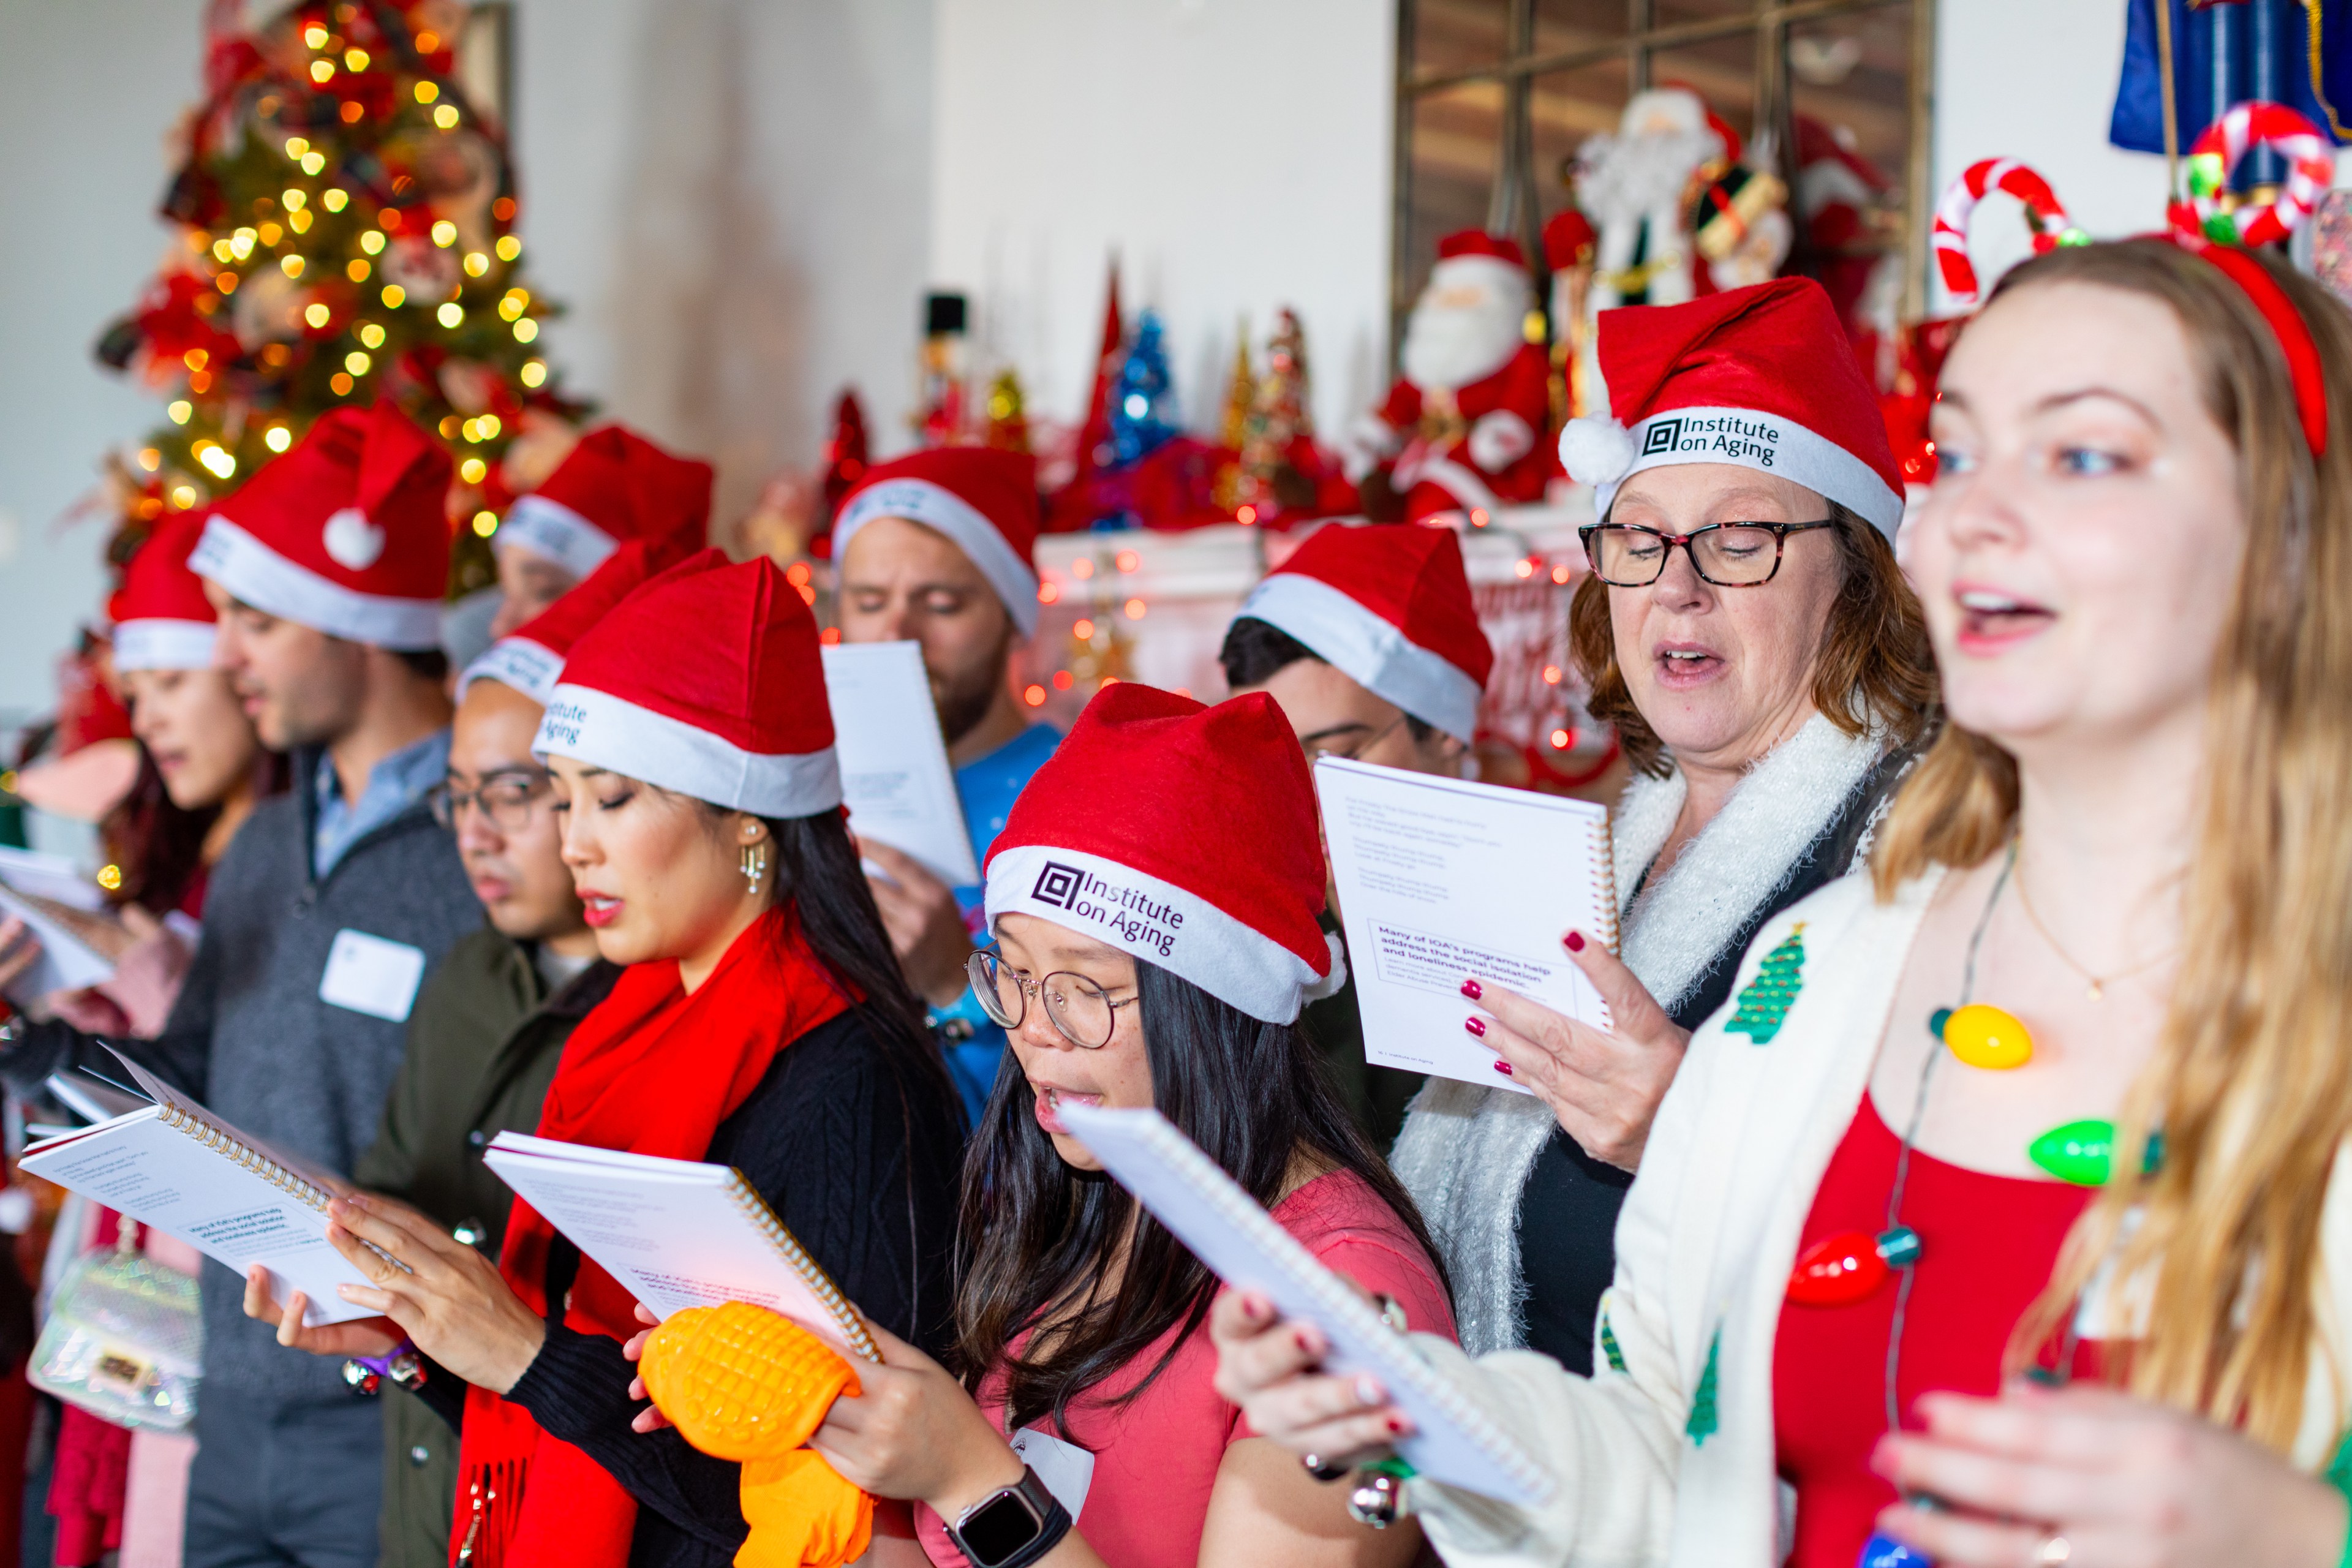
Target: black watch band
{"points": [[1012, 1526]]}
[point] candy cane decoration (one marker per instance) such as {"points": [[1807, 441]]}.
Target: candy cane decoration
{"points": [[2311, 169], [2045, 217]]}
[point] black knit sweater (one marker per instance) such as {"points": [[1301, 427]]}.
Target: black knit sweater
{"points": [[862, 1170]]}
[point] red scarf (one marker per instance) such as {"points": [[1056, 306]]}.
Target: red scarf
{"points": [[654, 1071]]}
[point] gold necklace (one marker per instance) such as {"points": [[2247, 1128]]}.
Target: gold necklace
{"points": [[2098, 985]]}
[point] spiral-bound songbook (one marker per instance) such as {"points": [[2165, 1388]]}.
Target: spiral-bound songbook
{"points": [[678, 1233], [1453, 1440], [1442, 881], [187, 1172]]}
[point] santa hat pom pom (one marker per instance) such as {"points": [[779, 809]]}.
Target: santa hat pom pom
{"points": [[1596, 450], [1333, 983]]}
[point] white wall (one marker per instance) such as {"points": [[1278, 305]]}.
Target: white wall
{"points": [[88, 93], [1236, 152]]}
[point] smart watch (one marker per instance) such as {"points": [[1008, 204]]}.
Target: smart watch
{"points": [[1012, 1526]]}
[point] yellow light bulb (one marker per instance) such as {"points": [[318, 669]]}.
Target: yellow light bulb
{"points": [[510, 308], [322, 72], [372, 242], [451, 314], [395, 296], [426, 91], [278, 437], [150, 458], [291, 265], [334, 201], [489, 424], [355, 59], [486, 523], [471, 430], [109, 877], [534, 373], [357, 363], [445, 233], [357, 269], [295, 147], [293, 198], [472, 470], [525, 330], [316, 314], [340, 383], [372, 334], [269, 233], [477, 263], [299, 222], [445, 117], [184, 496], [179, 411], [311, 163], [224, 251], [508, 248]]}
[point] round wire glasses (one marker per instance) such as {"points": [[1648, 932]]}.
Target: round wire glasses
{"points": [[1080, 1011], [1727, 555]]}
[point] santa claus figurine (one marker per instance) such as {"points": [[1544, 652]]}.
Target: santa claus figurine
{"points": [[1465, 425]]}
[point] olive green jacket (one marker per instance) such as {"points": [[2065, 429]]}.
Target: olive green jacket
{"points": [[483, 1041]]}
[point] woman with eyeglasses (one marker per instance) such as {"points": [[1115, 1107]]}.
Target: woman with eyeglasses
{"points": [[1138, 961], [1746, 629], [760, 1022]]}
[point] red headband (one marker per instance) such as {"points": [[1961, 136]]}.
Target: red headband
{"points": [[2286, 324]]}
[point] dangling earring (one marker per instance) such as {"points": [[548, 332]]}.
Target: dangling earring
{"points": [[755, 865]]}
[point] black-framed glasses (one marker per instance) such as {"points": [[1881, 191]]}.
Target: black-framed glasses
{"points": [[1080, 1011], [508, 799], [1727, 555]]}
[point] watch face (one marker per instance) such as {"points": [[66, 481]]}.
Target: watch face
{"points": [[1004, 1525]]}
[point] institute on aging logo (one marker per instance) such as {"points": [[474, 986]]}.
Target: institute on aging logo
{"points": [[1057, 884]]}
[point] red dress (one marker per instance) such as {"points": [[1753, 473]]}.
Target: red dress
{"points": [[1987, 1245]]}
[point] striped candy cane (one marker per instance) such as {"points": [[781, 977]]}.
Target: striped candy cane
{"points": [[2311, 169], [2045, 216]]}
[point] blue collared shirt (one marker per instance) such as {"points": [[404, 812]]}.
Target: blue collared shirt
{"points": [[394, 785], [987, 787]]}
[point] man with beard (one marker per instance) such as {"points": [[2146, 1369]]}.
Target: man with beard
{"points": [[1466, 424], [327, 569], [935, 548]]}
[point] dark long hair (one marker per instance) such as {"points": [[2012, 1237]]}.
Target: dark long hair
{"points": [[1038, 1234], [158, 845], [817, 868]]}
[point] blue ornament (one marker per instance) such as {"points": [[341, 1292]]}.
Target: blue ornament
{"points": [[1143, 400], [1886, 1552]]}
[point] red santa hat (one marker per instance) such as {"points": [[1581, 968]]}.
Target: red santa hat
{"points": [[982, 499], [1106, 840], [614, 486], [344, 534], [530, 657], [1389, 607], [161, 618], [707, 680], [1760, 377], [1494, 259]]}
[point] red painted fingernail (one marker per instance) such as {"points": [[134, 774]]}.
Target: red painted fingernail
{"points": [[1504, 1068], [1472, 990], [1396, 1425], [1575, 940], [1476, 1026]]}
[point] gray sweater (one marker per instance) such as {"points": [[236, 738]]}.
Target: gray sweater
{"points": [[251, 1038]]}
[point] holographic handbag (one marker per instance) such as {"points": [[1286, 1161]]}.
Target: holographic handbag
{"points": [[123, 1340]]}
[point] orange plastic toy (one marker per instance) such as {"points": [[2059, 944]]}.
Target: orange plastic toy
{"points": [[743, 1382]]}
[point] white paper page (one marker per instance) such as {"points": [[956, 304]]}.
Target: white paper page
{"points": [[66, 963], [1453, 1441], [668, 1230], [163, 1094], [895, 776], [163, 1176], [1443, 880], [51, 877]]}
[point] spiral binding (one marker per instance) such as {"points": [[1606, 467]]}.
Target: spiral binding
{"points": [[1604, 859], [788, 1247], [303, 1190]]}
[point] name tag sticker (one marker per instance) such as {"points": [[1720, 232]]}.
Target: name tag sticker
{"points": [[1068, 1470], [368, 975]]}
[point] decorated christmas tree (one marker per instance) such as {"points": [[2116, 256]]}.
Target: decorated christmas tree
{"points": [[1764, 1000], [1008, 413], [1278, 422], [1143, 400], [346, 218]]}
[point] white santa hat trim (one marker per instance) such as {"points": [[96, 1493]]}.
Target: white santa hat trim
{"points": [[935, 506], [528, 666], [1502, 276], [612, 732], [1764, 442], [251, 572], [556, 531], [1161, 924], [1368, 650], [164, 645]]}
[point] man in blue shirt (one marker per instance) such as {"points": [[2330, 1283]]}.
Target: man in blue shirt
{"points": [[935, 548]]}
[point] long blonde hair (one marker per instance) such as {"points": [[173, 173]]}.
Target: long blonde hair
{"points": [[2252, 1081]]}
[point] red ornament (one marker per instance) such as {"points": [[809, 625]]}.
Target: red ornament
{"points": [[1838, 1270]]}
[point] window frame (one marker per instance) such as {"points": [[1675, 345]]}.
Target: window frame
{"points": [[1769, 21]]}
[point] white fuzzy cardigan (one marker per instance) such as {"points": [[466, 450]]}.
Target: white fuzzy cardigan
{"points": [[1704, 1245]]}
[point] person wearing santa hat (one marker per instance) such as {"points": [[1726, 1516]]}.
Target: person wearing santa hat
{"points": [[492, 1017], [612, 486], [1462, 429], [1747, 632], [1138, 961], [1368, 640], [935, 547], [758, 1023], [326, 569]]}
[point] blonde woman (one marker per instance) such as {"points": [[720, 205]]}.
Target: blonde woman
{"points": [[1845, 1250]]}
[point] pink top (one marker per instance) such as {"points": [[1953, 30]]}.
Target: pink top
{"points": [[1155, 1460]]}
